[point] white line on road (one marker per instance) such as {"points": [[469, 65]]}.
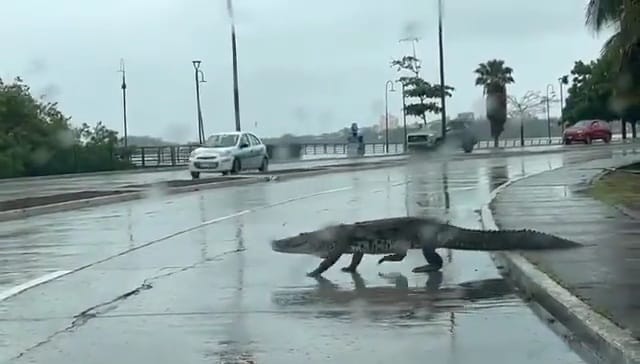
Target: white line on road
{"points": [[55, 275], [30, 284], [52, 276]]}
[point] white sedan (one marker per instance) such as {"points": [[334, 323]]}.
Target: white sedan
{"points": [[229, 153]]}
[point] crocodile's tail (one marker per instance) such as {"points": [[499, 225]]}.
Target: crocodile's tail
{"points": [[467, 239]]}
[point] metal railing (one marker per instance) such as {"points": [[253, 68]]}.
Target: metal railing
{"points": [[169, 156]]}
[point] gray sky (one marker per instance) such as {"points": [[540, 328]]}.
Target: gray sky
{"points": [[305, 66]]}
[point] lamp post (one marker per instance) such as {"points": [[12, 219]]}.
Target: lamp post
{"points": [[441, 52], [564, 80], [124, 105], [236, 92], [199, 75], [404, 117], [549, 86], [386, 113]]}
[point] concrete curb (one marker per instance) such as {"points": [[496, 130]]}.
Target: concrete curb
{"points": [[140, 194], [609, 341]]}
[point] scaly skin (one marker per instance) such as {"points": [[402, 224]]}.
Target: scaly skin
{"points": [[395, 236]]}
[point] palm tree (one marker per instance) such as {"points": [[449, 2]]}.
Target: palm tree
{"points": [[622, 49], [494, 77]]}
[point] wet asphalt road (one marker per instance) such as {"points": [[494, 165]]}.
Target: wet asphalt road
{"points": [[31, 187], [207, 288]]}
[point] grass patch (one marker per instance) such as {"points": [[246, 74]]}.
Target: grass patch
{"points": [[621, 187]]}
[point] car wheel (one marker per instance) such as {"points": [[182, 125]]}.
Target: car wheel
{"points": [[225, 173], [607, 139], [236, 167], [587, 140], [195, 175], [264, 167], [567, 141]]}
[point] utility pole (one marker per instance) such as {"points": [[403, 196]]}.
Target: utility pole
{"points": [[564, 80], [386, 113], [404, 118], [124, 104], [198, 73], [549, 86], [236, 92], [443, 96]]}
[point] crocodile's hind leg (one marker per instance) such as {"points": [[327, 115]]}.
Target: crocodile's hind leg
{"points": [[434, 259]]}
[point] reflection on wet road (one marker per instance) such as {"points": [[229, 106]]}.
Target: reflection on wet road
{"points": [[206, 287]]}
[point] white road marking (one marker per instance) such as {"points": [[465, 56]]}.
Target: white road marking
{"points": [[55, 275], [30, 284]]}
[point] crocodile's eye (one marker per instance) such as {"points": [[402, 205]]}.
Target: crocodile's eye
{"points": [[332, 245]]}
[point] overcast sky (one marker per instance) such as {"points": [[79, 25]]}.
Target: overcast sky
{"points": [[305, 66]]}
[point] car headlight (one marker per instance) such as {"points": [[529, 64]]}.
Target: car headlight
{"points": [[192, 154]]}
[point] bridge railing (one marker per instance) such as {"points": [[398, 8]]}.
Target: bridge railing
{"points": [[178, 155]]}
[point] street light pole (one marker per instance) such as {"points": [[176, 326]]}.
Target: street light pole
{"points": [[198, 73], [404, 118], [562, 81], [386, 113], [236, 92], [124, 104], [548, 116], [441, 51]]}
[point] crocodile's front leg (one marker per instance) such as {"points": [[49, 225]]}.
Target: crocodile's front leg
{"points": [[433, 258], [356, 258], [327, 263]]}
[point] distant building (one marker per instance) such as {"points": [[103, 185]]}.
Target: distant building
{"points": [[466, 116], [394, 122]]}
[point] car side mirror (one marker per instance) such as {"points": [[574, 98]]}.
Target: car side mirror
{"points": [[244, 145]]}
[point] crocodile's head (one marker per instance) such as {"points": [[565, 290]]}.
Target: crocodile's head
{"points": [[317, 243]]}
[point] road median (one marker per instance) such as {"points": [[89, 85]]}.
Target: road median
{"points": [[607, 338], [34, 206]]}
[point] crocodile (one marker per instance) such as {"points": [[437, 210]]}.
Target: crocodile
{"points": [[395, 236]]}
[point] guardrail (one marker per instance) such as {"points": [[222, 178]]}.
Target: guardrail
{"points": [[169, 156]]}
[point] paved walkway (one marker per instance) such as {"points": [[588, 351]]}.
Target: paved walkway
{"points": [[607, 275]]}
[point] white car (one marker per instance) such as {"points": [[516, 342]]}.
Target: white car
{"points": [[229, 153]]}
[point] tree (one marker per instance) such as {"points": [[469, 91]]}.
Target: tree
{"points": [[622, 50], [427, 94], [494, 77], [528, 106], [590, 95], [36, 138]]}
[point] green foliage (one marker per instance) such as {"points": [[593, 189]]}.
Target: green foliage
{"points": [[426, 96], [494, 77], [620, 53], [37, 139], [591, 93]]}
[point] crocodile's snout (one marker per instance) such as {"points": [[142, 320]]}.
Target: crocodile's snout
{"points": [[276, 245]]}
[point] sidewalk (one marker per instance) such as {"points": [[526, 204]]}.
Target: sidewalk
{"points": [[605, 276]]}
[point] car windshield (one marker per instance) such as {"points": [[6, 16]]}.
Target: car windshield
{"points": [[222, 140], [582, 123]]}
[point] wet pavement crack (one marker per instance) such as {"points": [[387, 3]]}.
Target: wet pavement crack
{"points": [[105, 307]]}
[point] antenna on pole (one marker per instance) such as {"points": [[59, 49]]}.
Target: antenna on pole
{"points": [[124, 101], [413, 41]]}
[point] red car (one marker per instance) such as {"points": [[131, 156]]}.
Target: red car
{"points": [[586, 131]]}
